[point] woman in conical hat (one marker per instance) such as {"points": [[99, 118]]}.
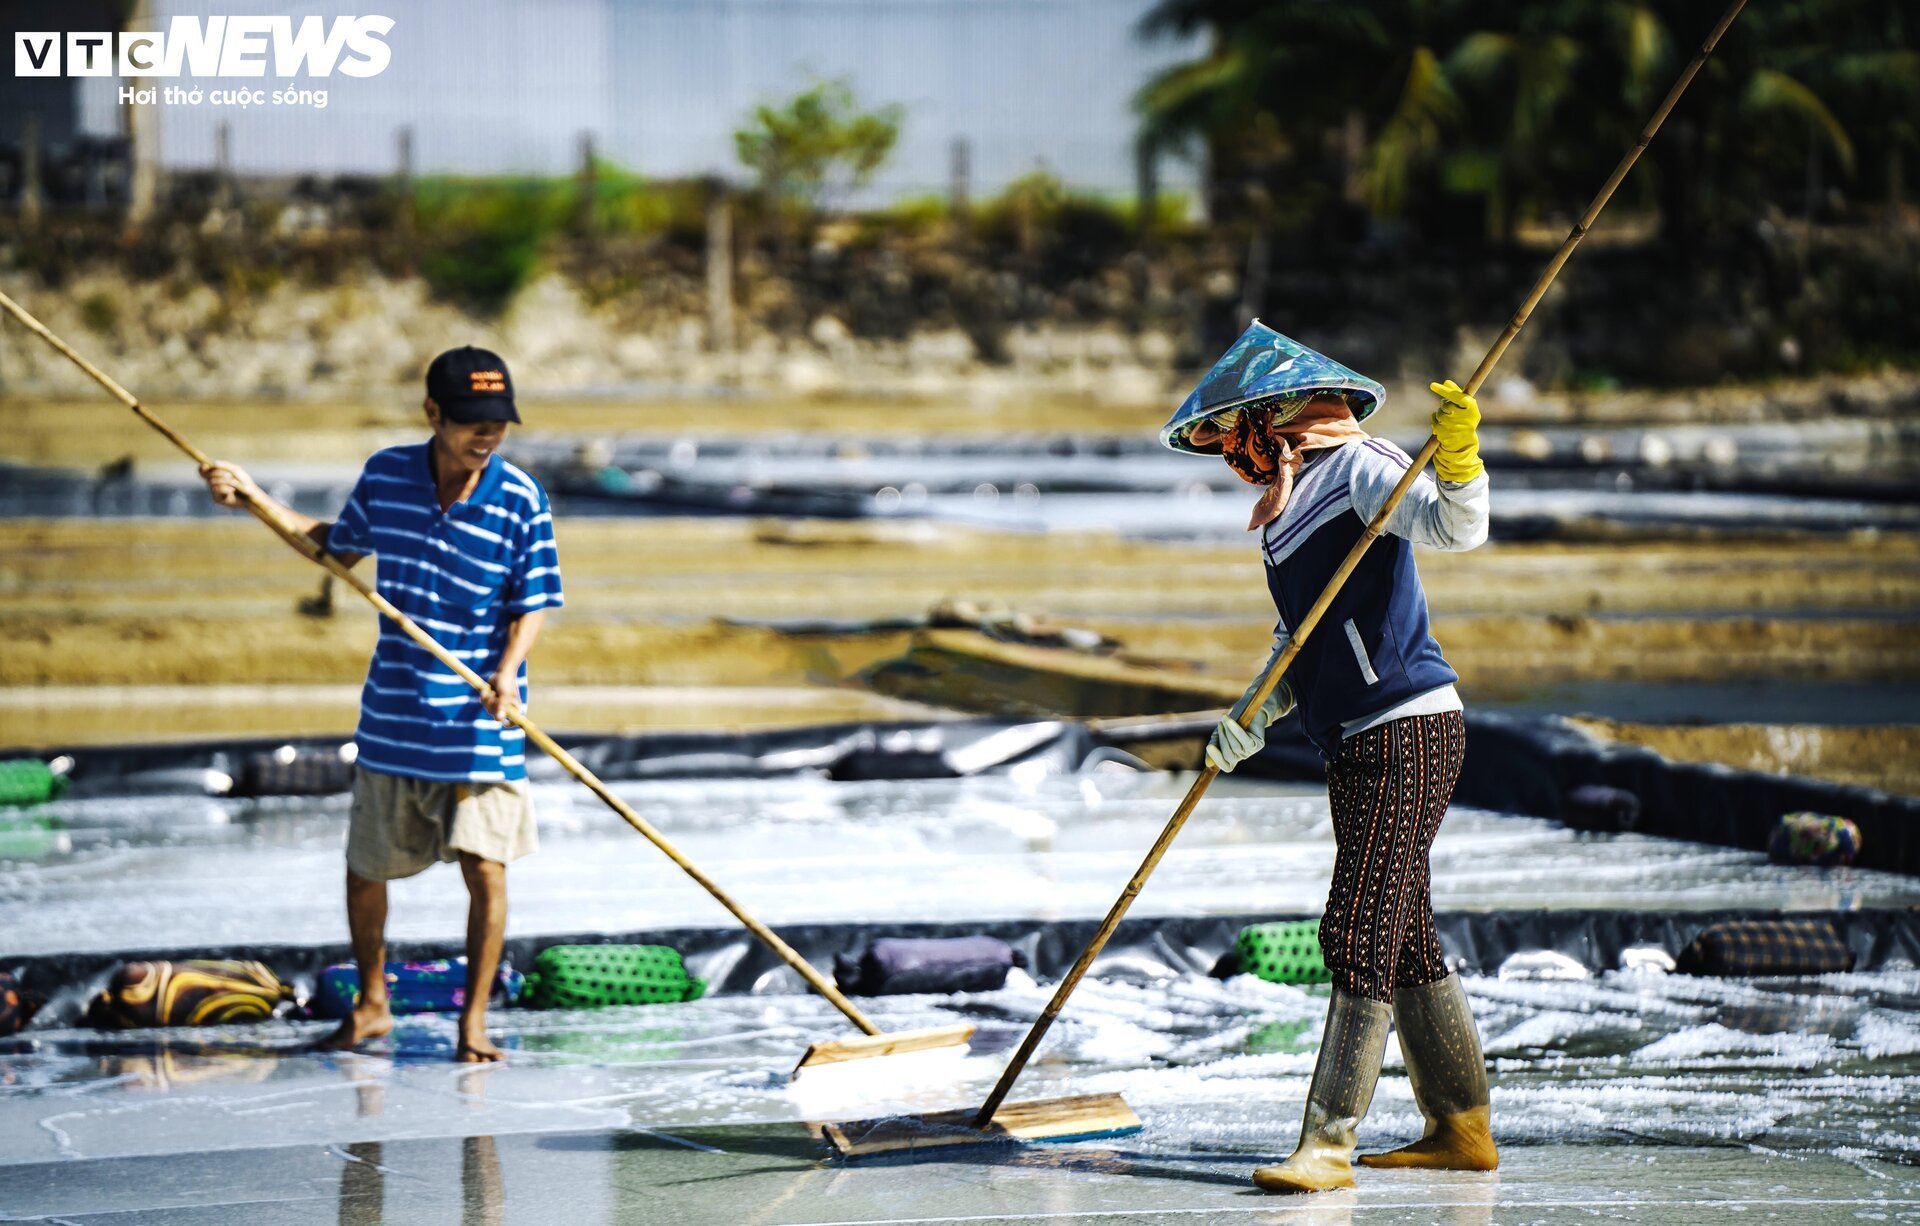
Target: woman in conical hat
{"points": [[1376, 696]]}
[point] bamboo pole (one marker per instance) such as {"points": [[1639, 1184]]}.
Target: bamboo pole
{"points": [[309, 549], [1243, 713]]}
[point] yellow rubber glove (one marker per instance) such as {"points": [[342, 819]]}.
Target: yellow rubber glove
{"points": [[1456, 424]]}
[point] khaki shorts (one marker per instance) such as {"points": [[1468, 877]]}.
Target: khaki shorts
{"points": [[399, 826]]}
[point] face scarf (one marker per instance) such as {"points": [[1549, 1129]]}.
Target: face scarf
{"points": [[1263, 453]]}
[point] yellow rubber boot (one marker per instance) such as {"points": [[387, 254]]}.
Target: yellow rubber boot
{"points": [[1343, 1079], [1449, 1078]]}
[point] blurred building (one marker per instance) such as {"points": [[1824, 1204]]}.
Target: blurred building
{"points": [[658, 86], [75, 160]]}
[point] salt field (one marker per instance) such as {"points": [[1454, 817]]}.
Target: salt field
{"points": [[1616, 1095], [1667, 479]]}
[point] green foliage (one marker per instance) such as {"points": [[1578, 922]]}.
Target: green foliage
{"points": [[1171, 211], [1025, 209], [100, 312], [485, 235], [912, 215], [817, 146], [627, 203], [1073, 232], [1036, 195], [484, 238], [1527, 106], [1428, 109]]}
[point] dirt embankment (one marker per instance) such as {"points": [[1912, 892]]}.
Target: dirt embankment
{"points": [[264, 301]]}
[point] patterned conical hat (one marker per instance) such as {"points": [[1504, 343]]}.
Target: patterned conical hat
{"points": [[1267, 370]]}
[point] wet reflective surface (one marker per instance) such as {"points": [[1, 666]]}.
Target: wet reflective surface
{"points": [[171, 871], [1632, 1097]]}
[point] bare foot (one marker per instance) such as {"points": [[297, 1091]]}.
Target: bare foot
{"points": [[475, 1046], [369, 1021]]}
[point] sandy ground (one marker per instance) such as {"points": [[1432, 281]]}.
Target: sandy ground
{"points": [[120, 631], [1495, 653], [743, 569], [185, 602], [66, 716], [1886, 756]]}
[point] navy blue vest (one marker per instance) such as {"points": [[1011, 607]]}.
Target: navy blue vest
{"points": [[1373, 648]]}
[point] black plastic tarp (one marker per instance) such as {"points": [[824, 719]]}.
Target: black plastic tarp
{"points": [[1531, 765], [1515, 764]]}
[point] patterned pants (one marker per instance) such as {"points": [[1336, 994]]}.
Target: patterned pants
{"points": [[1388, 788]]}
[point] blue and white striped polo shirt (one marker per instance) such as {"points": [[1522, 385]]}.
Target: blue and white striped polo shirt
{"points": [[464, 575]]}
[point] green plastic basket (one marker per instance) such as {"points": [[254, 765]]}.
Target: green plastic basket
{"points": [[1286, 952], [595, 976], [28, 781], [29, 836]]}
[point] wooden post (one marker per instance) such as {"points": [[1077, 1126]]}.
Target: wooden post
{"points": [[719, 267], [773, 203], [141, 123], [224, 195], [588, 185], [960, 177], [30, 196], [403, 179]]}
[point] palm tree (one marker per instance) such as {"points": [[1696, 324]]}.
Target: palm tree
{"points": [[1526, 105], [1278, 78], [1522, 83], [1866, 67]]}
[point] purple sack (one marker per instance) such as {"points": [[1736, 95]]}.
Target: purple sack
{"points": [[900, 966]]}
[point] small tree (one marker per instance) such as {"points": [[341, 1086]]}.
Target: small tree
{"points": [[817, 147]]}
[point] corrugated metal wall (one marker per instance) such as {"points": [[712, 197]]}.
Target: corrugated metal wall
{"points": [[500, 86]]}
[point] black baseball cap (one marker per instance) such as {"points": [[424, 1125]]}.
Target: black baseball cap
{"points": [[472, 385]]}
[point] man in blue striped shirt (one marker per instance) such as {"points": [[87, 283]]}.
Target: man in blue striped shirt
{"points": [[466, 550]]}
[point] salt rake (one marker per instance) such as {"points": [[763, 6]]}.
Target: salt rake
{"points": [[873, 1041], [1083, 1117]]}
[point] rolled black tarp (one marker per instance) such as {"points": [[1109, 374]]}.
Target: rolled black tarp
{"points": [[904, 966]]}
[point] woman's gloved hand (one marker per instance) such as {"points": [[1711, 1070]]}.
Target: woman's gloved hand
{"points": [[1456, 423], [1230, 744]]}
